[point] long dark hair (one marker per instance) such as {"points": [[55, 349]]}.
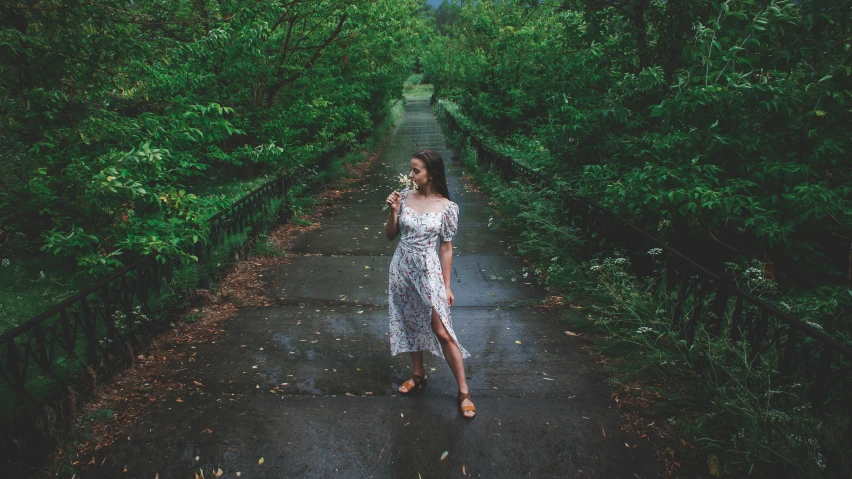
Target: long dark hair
{"points": [[435, 167]]}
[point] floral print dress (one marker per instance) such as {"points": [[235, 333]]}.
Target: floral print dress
{"points": [[416, 282]]}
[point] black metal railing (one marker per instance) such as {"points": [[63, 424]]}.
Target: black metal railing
{"points": [[801, 352], [96, 330]]}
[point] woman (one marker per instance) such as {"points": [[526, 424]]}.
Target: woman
{"points": [[419, 282]]}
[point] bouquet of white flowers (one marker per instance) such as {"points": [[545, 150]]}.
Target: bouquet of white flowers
{"points": [[404, 183]]}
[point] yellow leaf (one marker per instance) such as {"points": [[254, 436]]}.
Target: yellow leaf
{"points": [[444, 455], [819, 112], [713, 465], [260, 461]]}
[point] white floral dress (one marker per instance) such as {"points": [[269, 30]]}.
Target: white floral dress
{"points": [[416, 282]]}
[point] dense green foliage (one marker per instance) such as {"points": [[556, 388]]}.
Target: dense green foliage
{"points": [[117, 118], [735, 416], [720, 126]]}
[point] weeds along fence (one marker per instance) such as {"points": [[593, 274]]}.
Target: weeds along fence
{"points": [[49, 362], [798, 352]]}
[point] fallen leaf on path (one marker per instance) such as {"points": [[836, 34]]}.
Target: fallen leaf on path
{"points": [[603, 430], [444, 455], [548, 379], [517, 342], [260, 461], [463, 471], [218, 472], [570, 333]]}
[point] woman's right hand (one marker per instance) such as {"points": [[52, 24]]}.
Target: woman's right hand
{"points": [[394, 200]]}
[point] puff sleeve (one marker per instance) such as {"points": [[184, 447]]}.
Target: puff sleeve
{"points": [[450, 223]]}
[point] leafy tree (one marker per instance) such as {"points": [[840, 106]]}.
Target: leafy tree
{"points": [[115, 114], [719, 125]]}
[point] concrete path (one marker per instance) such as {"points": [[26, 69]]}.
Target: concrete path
{"points": [[309, 383]]}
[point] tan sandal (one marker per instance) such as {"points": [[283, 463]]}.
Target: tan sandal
{"points": [[462, 396], [416, 382]]}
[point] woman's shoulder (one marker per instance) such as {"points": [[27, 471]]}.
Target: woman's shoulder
{"points": [[449, 204]]}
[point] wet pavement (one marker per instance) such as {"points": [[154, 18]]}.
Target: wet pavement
{"points": [[309, 383]]}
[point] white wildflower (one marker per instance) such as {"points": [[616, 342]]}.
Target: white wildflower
{"points": [[644, 329], [620, 260], [6, 262], [404, 182], [595, 267], [41, 274], [816, 325], [655, 251]]}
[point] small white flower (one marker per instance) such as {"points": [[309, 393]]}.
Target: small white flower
{"points": [[41, 274], [595, 267], [644, 329], [554, 259], [526, 274], [405, 182], [816, 325], [6, 262], [655, 251]]}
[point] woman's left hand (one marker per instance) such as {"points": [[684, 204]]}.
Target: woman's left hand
{"points": [[450, 298]]}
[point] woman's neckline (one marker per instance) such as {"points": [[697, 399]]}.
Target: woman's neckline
{"points": [[428, 212]]}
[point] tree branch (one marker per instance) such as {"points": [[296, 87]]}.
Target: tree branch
{"points": [[274, 89]]}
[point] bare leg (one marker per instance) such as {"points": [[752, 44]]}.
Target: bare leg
{"points": [[419, 370], [453, 355]]}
